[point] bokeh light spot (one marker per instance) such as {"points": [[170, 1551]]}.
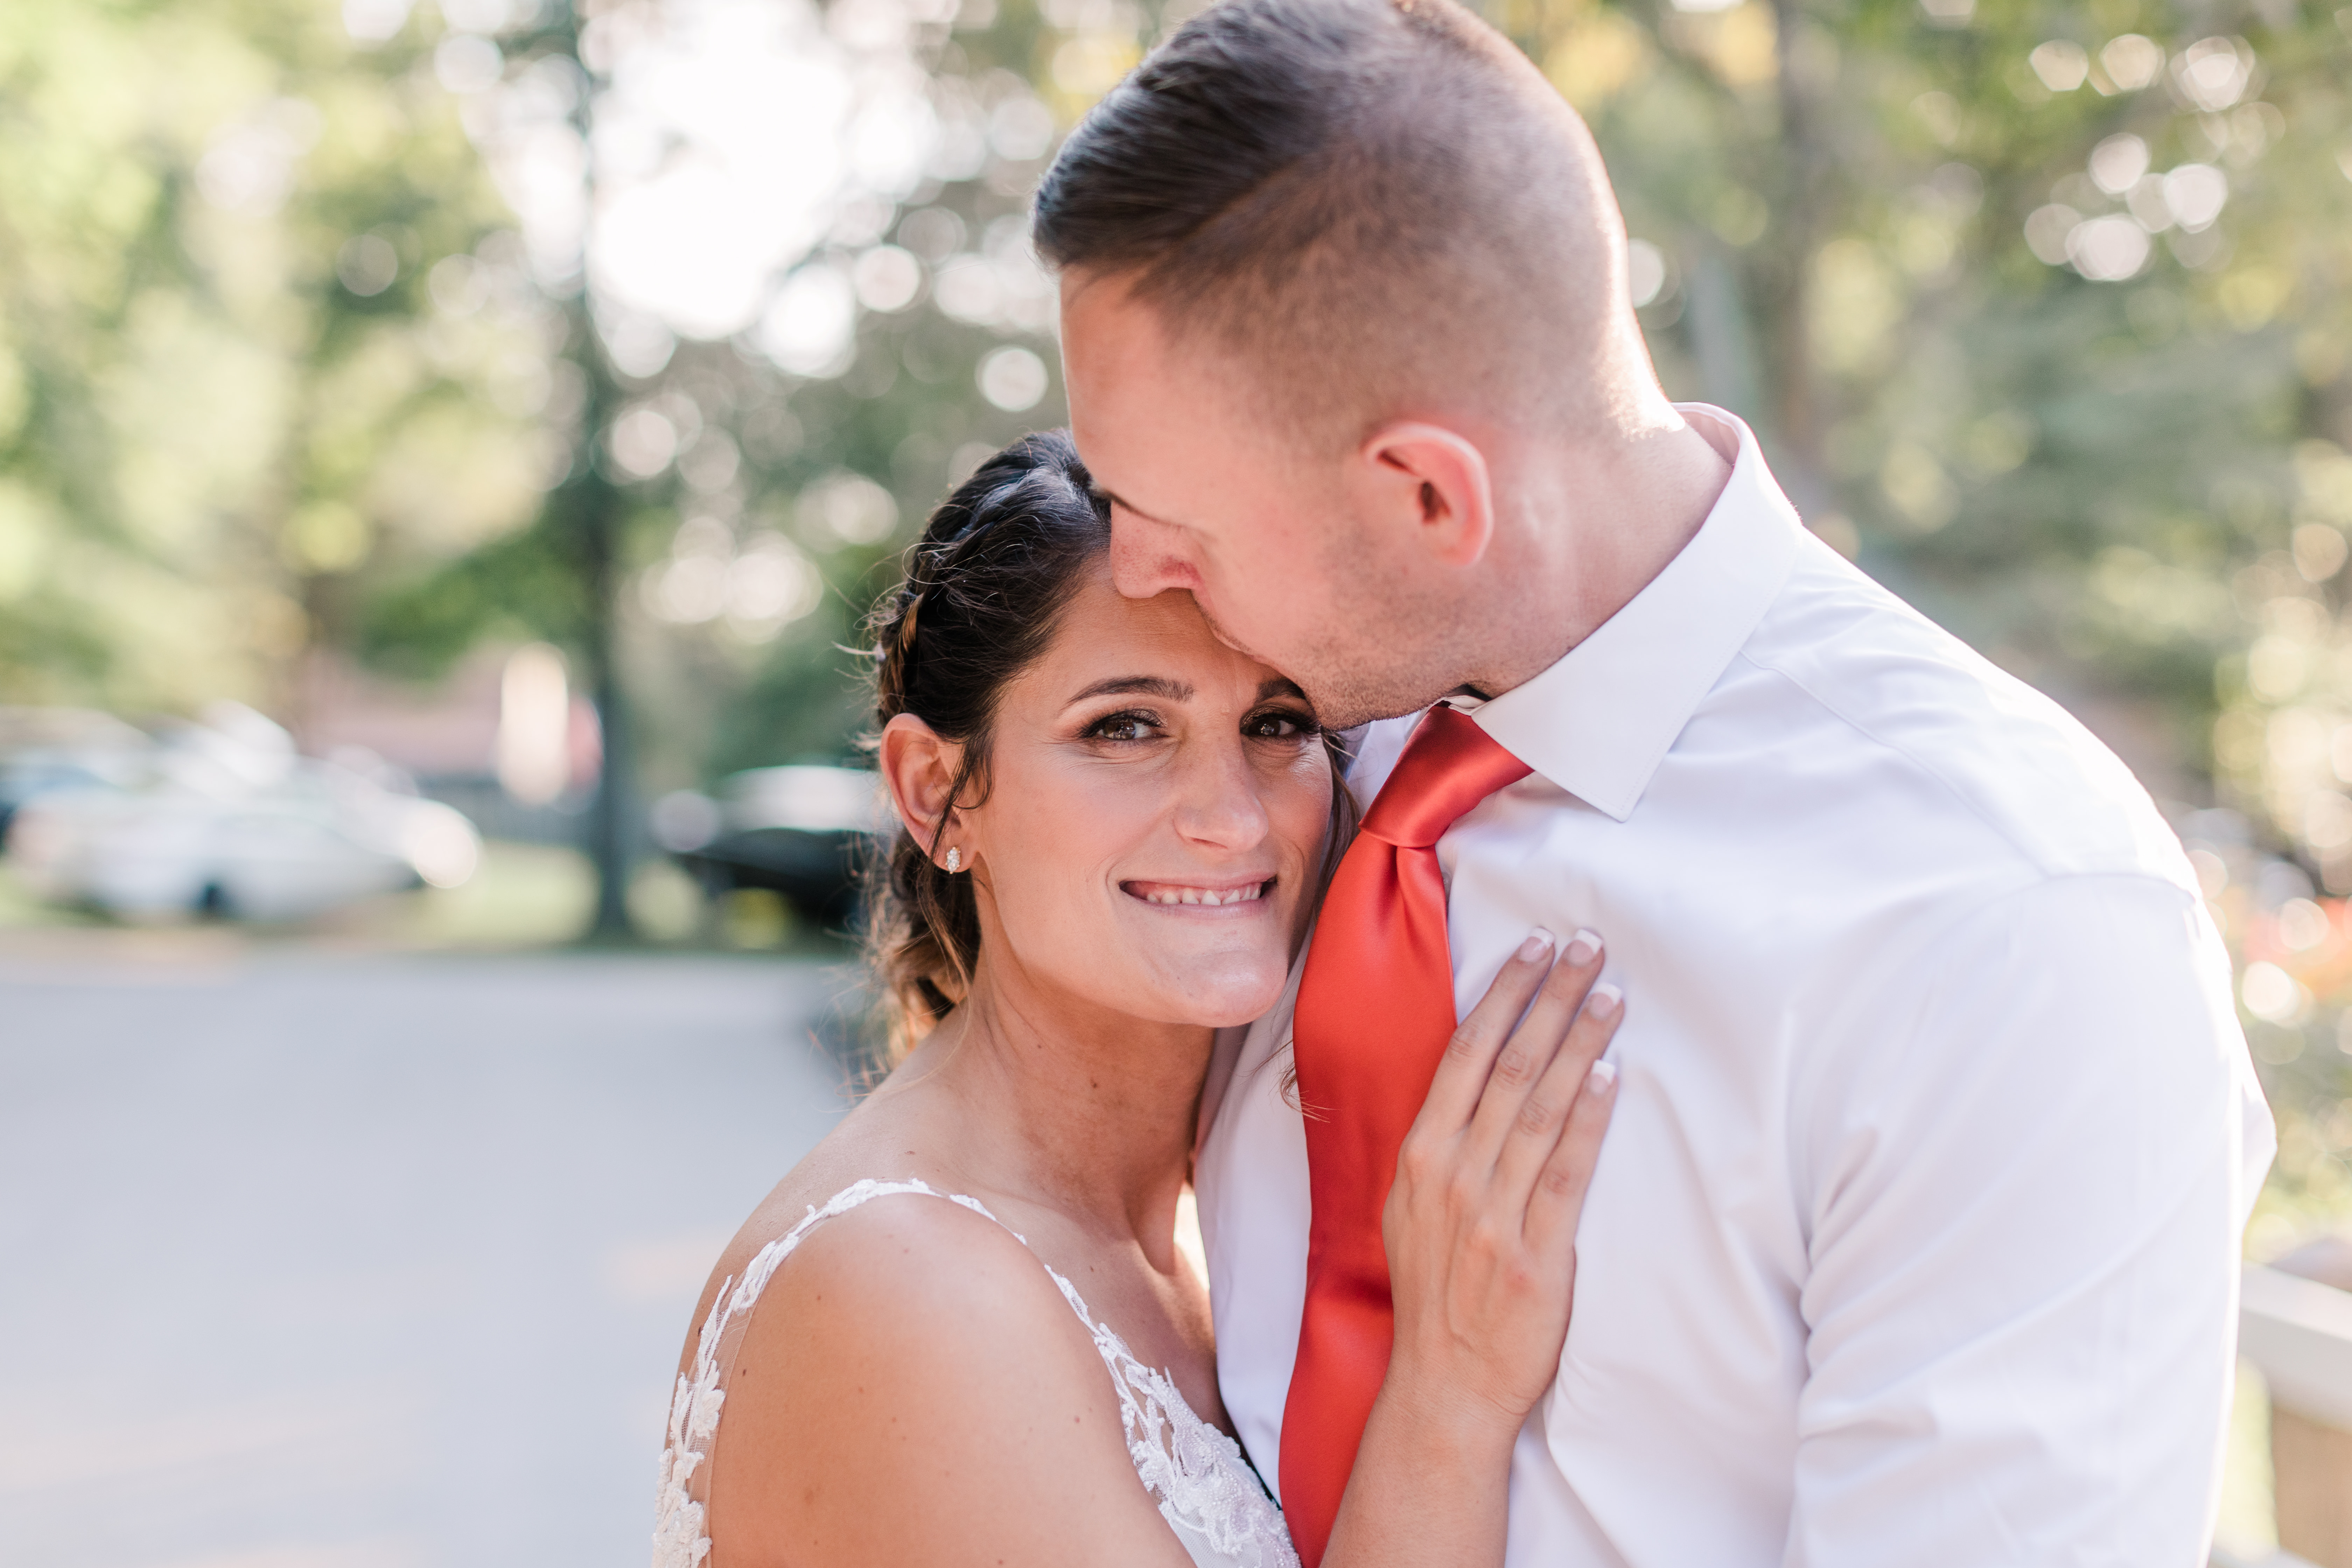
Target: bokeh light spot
{"points": [[2061, 65], [367, 264], [1014, 379], [2108, 249], [1645, 270], [2132, 61]]}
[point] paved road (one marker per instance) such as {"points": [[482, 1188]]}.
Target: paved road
{"points": [[321, 1261]]}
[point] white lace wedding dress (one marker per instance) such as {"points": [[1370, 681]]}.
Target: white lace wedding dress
{"points": [[1205, 1490]]}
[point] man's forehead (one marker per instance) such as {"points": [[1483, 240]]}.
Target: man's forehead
{"points": [[1157, 419], [1115, 333], [1081, 284], [1134, 415]]}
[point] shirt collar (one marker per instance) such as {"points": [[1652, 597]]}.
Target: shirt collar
{"points": [[1598, 722]]}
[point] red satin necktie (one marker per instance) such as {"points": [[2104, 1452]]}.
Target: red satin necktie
{"points": [[1375, 1010]]}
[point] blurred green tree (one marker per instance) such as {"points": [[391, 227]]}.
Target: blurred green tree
{"points": [[740, 479], [2040, 308], [2031, 304], [263, 336], [2060, 416]]}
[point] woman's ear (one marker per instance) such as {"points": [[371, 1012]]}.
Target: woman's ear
{"points": [[920, 770], [1432, 483]]}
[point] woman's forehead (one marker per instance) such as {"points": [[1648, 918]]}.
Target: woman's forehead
{"points": [[1164, 635]]}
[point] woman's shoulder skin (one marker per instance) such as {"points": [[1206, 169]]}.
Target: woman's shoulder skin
{"points": [[910, 1376]]}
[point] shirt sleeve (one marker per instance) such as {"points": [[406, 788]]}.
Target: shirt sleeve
{"points": [[2025, 1193]]}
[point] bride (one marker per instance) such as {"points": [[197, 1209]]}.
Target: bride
{"points": [[961, 1331]]}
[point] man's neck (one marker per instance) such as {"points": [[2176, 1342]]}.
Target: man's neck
{"points": [[1605, 523]]}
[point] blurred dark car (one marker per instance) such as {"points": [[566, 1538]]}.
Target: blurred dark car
{"points": [[803, 832]]}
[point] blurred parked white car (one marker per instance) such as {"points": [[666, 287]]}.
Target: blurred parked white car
{"points": [[233, 823], [42, 750]]}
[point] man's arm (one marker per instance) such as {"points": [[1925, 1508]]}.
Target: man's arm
{"points": [[2025, 1197]]}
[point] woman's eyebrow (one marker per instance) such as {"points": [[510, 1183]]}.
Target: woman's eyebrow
{"points": [[1157, 686], [1280, 686]]}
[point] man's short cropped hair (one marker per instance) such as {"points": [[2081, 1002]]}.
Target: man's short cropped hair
{"points": [[1337, 191]]}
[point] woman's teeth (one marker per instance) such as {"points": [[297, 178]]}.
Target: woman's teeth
{"points": [[1205, 895]]}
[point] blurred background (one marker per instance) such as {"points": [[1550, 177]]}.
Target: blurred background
{"points": [[446, 453]]}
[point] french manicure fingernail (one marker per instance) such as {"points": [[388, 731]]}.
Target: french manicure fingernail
{"points": [[1583, 947], [1604, 1001], [1538, 943], [1602, 1077]]}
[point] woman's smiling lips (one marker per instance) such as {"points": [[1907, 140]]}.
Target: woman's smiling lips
{"points": [[1199, 895]]}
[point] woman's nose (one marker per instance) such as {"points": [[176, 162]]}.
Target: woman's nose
{"points": [[1219, 804]]}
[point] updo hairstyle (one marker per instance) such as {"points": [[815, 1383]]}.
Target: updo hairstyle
{"points": [[983, 591]]}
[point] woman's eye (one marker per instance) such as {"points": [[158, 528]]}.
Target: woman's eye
{"points": [[1279, 725], [1121, 727]]}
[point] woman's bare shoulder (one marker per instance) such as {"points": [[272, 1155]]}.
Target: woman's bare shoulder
{"points": [[860, 1149], [924, 1251], [915, 1387], [912, 1279]]}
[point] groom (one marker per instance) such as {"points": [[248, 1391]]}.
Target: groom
{"points": [[1914, 1239]]}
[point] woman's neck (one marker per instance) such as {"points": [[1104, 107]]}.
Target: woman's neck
{"points": [[1083, 1108]]}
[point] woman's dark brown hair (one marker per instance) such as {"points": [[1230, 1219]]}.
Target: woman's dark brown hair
{"points": [[984, 591], [982, 595]]}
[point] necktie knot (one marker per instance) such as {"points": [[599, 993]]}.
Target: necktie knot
{"points": [[1448, 766]]}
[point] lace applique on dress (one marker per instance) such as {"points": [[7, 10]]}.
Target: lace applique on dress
{"points": [[1205, 1490]]}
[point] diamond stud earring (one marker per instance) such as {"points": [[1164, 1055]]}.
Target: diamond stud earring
{"points": [[955, 861]]}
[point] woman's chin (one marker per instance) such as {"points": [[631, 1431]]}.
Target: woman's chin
{"points": [[1229, 997]]}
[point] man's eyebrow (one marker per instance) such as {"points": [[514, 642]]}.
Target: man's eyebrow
{"points": [[1157, 686]]}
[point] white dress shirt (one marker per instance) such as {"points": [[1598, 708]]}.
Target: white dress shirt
{"points": [[1914, 1239]]}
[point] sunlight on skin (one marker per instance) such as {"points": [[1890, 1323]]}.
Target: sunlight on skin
{"points": [[1211, 504], [1109, 817], [1136, 757]]}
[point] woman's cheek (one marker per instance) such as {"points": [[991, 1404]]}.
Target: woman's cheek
{"points": [[1305, 804]]}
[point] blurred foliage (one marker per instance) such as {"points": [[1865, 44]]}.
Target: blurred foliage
{"points": [[233, 381], [2043, 311], [2069, 464], [835, 454]]}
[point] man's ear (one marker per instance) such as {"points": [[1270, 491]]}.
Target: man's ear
{"points": [[920, 769], [1435, 483]]}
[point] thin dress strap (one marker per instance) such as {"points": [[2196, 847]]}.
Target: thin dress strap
{"points": [[680, 1537], [1203, 1486]]}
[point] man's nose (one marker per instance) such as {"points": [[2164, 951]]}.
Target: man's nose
{"points": [[1146, 557]]}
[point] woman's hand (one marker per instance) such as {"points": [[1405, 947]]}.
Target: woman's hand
{"points": [[1480, 1225]]}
